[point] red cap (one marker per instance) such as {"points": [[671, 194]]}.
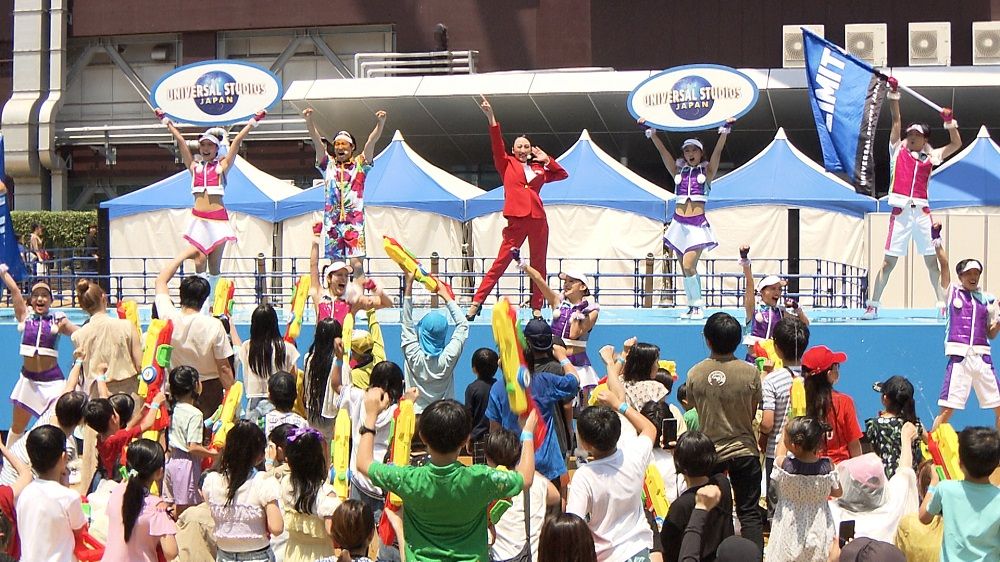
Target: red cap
{"points": [[820, 358]]}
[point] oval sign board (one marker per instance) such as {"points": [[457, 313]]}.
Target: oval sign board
{"points": [[215, 92], [692, 97]]}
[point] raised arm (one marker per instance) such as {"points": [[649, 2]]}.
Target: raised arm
{"points": [[182, 145], [234, 147], [20, 307], [314, 134], [526, 465], [942, 257], [167, 273], [369, 151], [551, 296], [24, 475], [955, 139], [713, 162], [669, 162], [749, 302], [376, 400], [315, 283], [496, 137], [895, 133]]}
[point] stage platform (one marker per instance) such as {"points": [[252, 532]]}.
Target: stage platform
{"points": [[904, 342]]}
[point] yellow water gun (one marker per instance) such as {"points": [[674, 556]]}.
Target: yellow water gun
{"points": [[655, 493], [406, 260], [404, 425], [764, 350], [225, 416], [129, 310], [340, 452], [299, 297], [222, 304], [798, 397], [942, 447], [512, 362]]}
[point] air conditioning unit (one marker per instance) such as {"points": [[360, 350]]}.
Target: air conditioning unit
{"points": [[793, 54], [986, 42], [866, 41], [930, 43]]}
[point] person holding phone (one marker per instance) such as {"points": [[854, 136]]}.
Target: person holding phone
{"points": [[524, 172]]}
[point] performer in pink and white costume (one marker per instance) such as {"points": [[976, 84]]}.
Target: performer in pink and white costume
{"points": [[972, 322], [209, 229], [912, 159], [689, 233]]}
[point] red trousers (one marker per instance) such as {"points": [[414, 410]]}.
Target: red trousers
{"points": [[518, 228]]}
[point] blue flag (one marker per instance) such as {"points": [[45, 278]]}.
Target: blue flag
{"points": [[846, 96], [9, 253]]}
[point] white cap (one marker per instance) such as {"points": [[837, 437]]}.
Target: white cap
{"points": [[918, 128], [210, 138], [768, 281], [693, 142], [972, 264], [335, 267], [576, 274]]}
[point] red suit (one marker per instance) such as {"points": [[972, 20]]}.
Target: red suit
{"points": [[522, 206]]}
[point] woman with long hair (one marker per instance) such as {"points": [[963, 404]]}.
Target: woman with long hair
{"points": [[326, 350], [821, 369], [138, 523], [263, 355]]}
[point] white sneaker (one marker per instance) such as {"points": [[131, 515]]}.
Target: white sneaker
{"points": [[697, 313], [871, 313], [687, 315]]}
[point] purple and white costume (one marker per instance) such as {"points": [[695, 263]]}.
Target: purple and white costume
{"points": [[967, 346], [40, 336], [686, 234], [562, 319], [762, 323]]}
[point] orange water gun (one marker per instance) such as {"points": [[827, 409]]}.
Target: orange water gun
{"points": [[129, 310], [404, 424], [152, 379], [222, 305], [406, 260], [299, 296], [517, 378], [86, 548]]}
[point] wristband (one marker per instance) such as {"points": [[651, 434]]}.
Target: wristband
{"points": [[619, 360], [78, 362], [268, 462], [101, 378], [931, 490], [527, 435], [338, 362], [745, 262], [892, 95], [563, 362], [152, 405], [650, 133], [726, 129], [623, 408], [951, 124]]}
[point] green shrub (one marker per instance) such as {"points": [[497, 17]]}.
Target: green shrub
{"points": [[63, 229]]}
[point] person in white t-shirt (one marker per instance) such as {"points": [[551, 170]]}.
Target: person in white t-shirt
{"points": [[199, 340], [503, 449], [49, 515], [607, 491]]}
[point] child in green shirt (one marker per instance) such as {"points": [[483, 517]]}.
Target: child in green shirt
{"points": [[445, 502]]}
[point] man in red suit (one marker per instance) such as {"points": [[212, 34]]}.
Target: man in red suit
{"points": [[523, 172]]}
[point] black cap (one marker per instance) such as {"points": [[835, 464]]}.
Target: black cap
{"points": [[538, 334], [865, 549]]}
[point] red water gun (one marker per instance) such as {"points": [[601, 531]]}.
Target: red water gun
{"points": [[154, 376]]}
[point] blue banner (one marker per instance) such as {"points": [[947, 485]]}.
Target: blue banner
{"points": [[9, 253], [846, 96]]}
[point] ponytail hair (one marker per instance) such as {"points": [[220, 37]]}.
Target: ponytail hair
{"points": [[819, 394], [245, 447], [88, 294], [898, 394], [144, 459]]}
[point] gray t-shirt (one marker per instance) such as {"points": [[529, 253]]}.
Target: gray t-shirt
{"points": [[777, 393], [726, 393]]}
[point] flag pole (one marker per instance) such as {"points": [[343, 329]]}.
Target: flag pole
{"points": [[926, 101]]}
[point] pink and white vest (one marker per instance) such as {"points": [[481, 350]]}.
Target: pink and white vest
{"points": [[910, 176]]}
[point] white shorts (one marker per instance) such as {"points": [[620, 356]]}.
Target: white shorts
{"points": [[906, 223], [206, 233], [966, 373]]}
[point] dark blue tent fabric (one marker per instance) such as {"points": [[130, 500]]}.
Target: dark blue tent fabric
{"points": [[782, 175], [595, 180], [9, 253], [970, 179], [400, 178], [242, 195]]}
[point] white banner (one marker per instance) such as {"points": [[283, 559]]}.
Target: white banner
{"points": [[215, 92], [693, 97]]}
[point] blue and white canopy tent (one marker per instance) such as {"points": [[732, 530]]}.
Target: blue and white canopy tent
{"points": [[406, 197], [751, 204], [603, 210], [151, 221]]}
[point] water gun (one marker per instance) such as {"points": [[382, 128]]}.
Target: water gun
{"points": [[222, 305], [340, 452], [655, 493], [669, 366], [404, 424], [129, 310], [155, 362], [942, 444], [299, 407], [86, 548], [763, 350], [510, 341], [798, 397], [223, 420], [406, 260], [299, 297]]}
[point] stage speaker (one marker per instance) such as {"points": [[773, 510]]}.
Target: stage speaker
{"points": [[985, 42], [793, 54], [867, 42], [930, 43]]}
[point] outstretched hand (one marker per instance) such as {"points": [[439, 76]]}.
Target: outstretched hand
{"points": [[540, 155], [484, 105], [381, 115]]}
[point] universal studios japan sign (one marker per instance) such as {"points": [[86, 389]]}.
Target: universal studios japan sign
{"points": [[692, 97], [215, 92]]}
